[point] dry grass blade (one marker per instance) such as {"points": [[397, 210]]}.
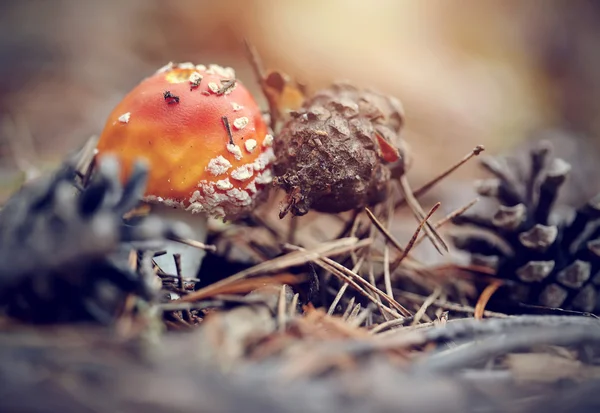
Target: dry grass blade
{"points": [[419, 214], [425, 188], [289, 260], [484, 298]]}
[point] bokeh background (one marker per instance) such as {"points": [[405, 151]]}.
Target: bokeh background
{"points": [[492, 72]]}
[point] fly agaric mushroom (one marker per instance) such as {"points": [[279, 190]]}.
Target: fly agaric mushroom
{"points": [[207, 144]]}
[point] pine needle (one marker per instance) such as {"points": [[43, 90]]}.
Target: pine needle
{"points": [[485, 297], [419, 214]]}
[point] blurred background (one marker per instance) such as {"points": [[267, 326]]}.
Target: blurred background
{"points": [[492, 72]]}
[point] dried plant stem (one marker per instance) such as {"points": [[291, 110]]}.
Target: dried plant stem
{"points": [[446, 305], [387, 277], [281, 313], [357, 281], [419, 214], [413, 239], [374, 283], [362, 317], [353, 280], [294, 306], [349, 308], [389, 237], [426, 304], [449, 218], [259, 71], [193, 243], [343, 289], [425, 188], [337, 298], [389, 324], [353, 314], [336, 247], [177, 259]]}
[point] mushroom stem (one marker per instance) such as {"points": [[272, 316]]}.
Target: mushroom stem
{"points": [[191, 257]]}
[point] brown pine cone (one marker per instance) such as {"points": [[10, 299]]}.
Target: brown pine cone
{"points": [[340, 150]]}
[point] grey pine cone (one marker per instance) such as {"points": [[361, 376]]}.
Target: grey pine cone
{"points": [[64, 249], [546, 258]]}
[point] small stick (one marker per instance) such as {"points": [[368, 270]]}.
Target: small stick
{"points": [[259, 71], [448, 218], [419, 214], [427, 187], [384, 231], [413, 239], [344, 287]]}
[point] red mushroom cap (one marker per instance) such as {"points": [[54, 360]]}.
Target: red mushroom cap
{"points": [[203, 134]]}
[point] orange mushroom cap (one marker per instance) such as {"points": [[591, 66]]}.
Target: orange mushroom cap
{"points": [[203, 134]]}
